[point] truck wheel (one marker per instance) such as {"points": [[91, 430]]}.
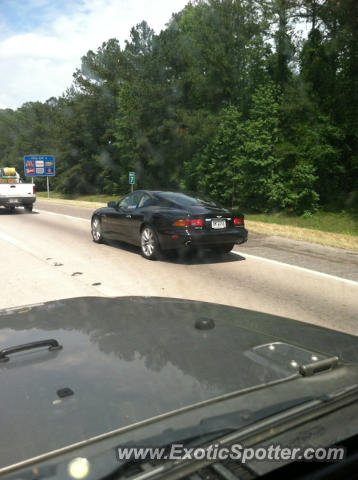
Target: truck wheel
{"points": [[28, 208]]}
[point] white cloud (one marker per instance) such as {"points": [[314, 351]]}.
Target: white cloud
{"points": [[38, 65]]}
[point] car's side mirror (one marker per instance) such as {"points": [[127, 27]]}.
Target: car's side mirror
{"points": [[112, 205]]}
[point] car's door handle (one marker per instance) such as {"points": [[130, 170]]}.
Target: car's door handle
{"points": [[128, 216], [50, 343]]}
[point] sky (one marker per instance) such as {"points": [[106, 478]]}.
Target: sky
{"points": [[42, 41]]}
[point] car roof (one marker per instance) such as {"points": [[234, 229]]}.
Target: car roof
{"points": [[156, 192]]}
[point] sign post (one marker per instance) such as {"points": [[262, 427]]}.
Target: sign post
{"points": [[40, 166], [131, 180]]}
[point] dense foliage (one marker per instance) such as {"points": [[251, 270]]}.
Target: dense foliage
{"points": [[231, 99]]}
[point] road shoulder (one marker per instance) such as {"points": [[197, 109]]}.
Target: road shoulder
{"points": [[330, 239], [321, 258]]}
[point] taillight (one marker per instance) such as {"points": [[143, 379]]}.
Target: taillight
{"points": [[34, 189], [239, 221], [188, 222], [197, 222]]}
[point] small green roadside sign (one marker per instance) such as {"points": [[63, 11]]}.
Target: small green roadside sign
{"points": [[131, 178]]}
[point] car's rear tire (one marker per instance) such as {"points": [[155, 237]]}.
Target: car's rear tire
{"points": [[28, 208], [226, 248], [96, 230], [149, 243]]}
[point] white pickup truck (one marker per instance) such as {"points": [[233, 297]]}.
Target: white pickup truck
{"points": [[13, 193]]}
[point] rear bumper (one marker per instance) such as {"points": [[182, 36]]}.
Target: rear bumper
{"points": [[16, 201], [198, 238]]}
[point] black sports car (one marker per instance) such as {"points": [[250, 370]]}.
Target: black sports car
{"points": [[156, 220]]}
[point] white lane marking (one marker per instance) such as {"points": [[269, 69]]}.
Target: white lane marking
{"points": [[295, 267], [63, 215], [15, 242]]}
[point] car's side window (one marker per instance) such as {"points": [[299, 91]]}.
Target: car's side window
{"points": [[131, 201], [145, 201], [125, 201]]}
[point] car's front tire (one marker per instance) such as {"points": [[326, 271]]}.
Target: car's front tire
{"points": [[149, 243], [96, 230]]}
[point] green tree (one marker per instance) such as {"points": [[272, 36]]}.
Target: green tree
{"points": [[258, 176], [282, 15], [213, 169]]}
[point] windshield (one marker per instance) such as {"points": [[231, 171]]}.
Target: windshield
{"points": [[178, 217]]}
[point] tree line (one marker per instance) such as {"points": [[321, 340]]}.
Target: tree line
{"points": [[254, 102]]}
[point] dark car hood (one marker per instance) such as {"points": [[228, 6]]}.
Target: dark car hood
{"points": [[130, 359]]}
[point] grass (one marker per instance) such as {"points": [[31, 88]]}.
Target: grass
{"points": [[81, 198], [88, 201], [338, 240], [345, 223], [334, 229]]}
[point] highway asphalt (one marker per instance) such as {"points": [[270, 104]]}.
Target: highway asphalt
{"points": [[49, 255]]}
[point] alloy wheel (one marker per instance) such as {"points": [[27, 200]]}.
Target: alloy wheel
{"points": [[96, 230], [148, 242]]}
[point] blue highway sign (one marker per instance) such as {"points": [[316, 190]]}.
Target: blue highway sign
{"points": [[39, 166]]}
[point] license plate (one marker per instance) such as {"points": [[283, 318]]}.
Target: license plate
{"points": [[12, 200], [218, 224]]}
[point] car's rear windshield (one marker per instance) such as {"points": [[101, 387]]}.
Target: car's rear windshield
{"points": [[188, 200]]}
